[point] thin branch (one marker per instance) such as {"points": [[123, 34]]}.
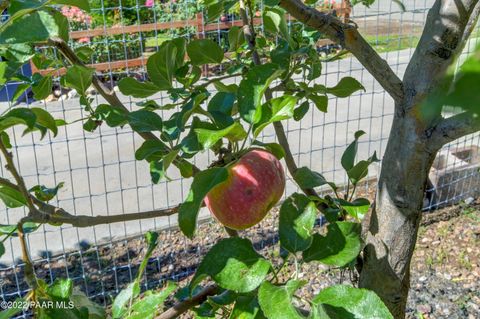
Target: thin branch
{"points": [[56, 215], [109, 95], [186, 305], [348, 36], [51, 214], [29, 271], [453, 128]]}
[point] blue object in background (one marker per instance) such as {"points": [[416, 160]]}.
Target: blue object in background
{"points": [[9, 89]]}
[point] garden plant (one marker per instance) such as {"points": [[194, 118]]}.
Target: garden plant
{"points": [[277, 69]]}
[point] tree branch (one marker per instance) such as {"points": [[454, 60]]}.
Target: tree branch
{"points": [[448, 23], [453, 128], [186, 305], [56, 215], [349, 37], [48, 213]]}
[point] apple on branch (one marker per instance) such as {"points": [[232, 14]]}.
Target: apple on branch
{"points": [[255, 183]]}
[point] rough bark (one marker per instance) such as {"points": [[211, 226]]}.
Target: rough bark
{"points": [[394, 222]]}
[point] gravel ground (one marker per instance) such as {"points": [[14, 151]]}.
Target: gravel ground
{"points": [[445, 268]]}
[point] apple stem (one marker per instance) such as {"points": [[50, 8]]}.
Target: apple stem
{"points": [[231, 232]]}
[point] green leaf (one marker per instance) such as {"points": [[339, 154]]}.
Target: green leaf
{"points": [[12, 229], [13, 311], [233, 133], [346, 87], [161, 65], [5, 140], [90, 125], [20, 52], [79, 78], [32, 27], [151, 238], [61, 288], [11, 197], [63, 25], [132, 87], [236, 38], [157, 171], [348, 157], [113, 116], [216, 7], [124, 298], [18, 116], [204, 51], [315, 70], [80, 300], [275, 110], [151, 302], [222, 102], [274, 148], [300, 112], [144, 121], [21, 88], [2, 249], [357, 209], [45, 120], [276, 301], [44, 193], [360, 170], [247, 307], [306, 178], [274, 22], [186, 169], [339, 247], [202, 183], [16, 6], [43, 88], [181, 45], [3, 73], [82, 4], [84, 53], [297, 218], [320, 101], [253, 87], [151, 150], [347, 302], [233, 264]]}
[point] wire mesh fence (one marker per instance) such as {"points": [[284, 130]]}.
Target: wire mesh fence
{"points": [[102, 177]]}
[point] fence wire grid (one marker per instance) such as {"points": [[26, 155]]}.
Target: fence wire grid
{"points": [[102, 177]]}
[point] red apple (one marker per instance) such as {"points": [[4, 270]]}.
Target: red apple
{"points": [[255, 184]]}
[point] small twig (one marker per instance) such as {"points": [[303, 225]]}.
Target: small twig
{"points": [[186, 305], [30, 277]]}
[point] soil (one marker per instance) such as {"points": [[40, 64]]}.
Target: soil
{"points": [[445, 268]]}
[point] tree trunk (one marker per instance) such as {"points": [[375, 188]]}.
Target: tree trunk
{"points": [[392, 229]]}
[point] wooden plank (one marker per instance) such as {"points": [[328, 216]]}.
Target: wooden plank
{"points": [[228, 24], [105, 66], [132, 29]]}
